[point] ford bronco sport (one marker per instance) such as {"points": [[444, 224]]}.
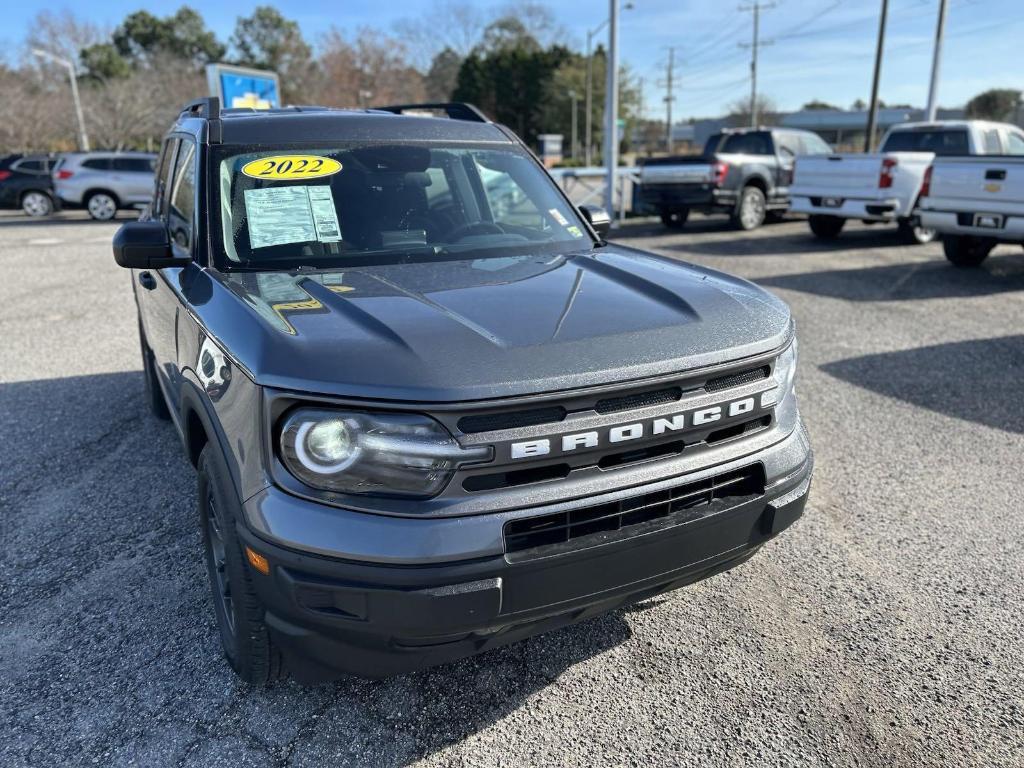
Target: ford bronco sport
{"points": [[432, 410]]}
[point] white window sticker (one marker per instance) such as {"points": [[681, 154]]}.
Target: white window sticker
{"points": [[325, 217], [282, 215], [557, 216]]}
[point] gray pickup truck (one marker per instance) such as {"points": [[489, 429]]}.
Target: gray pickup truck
{"points": [[744, 173], [430, 416]]}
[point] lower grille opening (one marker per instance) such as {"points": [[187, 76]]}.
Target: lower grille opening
{"points": [[736, 430], [516, 477], [551, 534], [641, 454]]}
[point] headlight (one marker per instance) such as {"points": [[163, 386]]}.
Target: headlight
{"points": [[784, 375], [389, 454]]}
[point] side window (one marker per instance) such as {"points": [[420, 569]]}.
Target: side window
{"points": [[992, 144], [814, 145], [181, 197], [787, 144], [98, 163], [163, 183], [1015, 143], [29, 166]]}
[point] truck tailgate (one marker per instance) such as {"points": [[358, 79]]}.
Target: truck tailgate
{"points": [[837, 173], [979, 182], [676, 173]]}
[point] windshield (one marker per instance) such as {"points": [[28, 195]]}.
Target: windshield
{"points": [[323, 207], [941, 142]]}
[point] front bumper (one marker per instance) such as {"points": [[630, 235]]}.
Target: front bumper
{"points": [[335, 615]]}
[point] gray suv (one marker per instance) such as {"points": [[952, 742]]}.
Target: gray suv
{"points": [[104, 182], [433, 411]]}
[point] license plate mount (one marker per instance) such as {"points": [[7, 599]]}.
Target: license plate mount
{"points": [[832, 202], [988, 220]]}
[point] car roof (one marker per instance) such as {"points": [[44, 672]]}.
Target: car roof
{"points": [[942, 124], [329, 125]]}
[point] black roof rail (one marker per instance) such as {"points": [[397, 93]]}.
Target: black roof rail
{"points": [[456, 110], [207, 107]]}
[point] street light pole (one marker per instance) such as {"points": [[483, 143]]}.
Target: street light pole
{"points": [[611, 109], [589, 117], [933, 89], [869, 138], [83, 138], [575, 109]]}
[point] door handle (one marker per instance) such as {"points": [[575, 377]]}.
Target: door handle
{"points": [[147, 281]]}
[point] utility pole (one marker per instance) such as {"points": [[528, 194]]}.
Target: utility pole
{"points": [[933, 89], [869, 139], [611, 110], [83, 137], [754, 45], [669, 97]]}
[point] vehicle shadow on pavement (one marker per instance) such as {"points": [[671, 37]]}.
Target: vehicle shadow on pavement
{"points": [[638, 229], [981, 380], [762, 244], [936, 279], [103, 589]]}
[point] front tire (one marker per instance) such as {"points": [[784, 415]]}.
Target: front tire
{"points": [[964, 251], [102, 206], [826, 227], [751, 210], [247, 643], [36, 204], [675, 219]]}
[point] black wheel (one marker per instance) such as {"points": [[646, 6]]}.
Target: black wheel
{"points": [[751, 211], [36, 204], [154, 395], [676, 218], [243, 633], [963, 251], [826, 227], [913, 233], [102, 206]]}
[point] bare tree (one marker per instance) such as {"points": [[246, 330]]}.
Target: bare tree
{"points": [[63, 33], [372, 68], [453, 24]]}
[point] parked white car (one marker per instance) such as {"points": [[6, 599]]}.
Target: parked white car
{"points": [[104, 182], [885, 186], [975, 203]]}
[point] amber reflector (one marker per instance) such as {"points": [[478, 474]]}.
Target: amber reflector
{"points": [[258, 561]]}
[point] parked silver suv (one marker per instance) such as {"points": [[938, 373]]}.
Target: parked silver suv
{"points": [[104, 182]]}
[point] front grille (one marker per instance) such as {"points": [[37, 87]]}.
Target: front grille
{"points": [[638, 400], [488, 422], [738, 379], [562, 531]]}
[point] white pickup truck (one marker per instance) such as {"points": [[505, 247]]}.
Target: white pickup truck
{"points": [[975, 202], [886, 186]]}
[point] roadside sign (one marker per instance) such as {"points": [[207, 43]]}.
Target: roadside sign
{"points": [[243, 87]]}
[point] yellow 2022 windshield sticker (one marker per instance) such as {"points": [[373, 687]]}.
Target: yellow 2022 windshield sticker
{"points": [[291, 167]]}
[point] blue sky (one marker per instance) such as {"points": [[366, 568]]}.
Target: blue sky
{"points": [[820, 48]]}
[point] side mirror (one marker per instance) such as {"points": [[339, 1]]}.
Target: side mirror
{"points": [[145, 245], [598, 218]]}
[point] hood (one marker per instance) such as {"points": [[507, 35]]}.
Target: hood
{"points": [[494, 327]]}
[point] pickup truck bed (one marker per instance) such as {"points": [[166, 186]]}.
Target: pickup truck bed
{"points": [[975, 202]]}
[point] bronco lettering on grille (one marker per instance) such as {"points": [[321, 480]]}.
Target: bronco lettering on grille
{"points": [[621, 433]]}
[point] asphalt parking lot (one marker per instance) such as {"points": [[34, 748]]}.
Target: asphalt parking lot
{"points": [[884, 629]]}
